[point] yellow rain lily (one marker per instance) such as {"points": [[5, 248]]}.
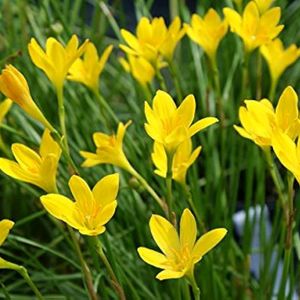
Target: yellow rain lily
{"points": [[182, 160], [14, 86], [88, 69], [109, 150], [57, 59], [254, 29], [207, 32], [36, 168], [180, 252], [263, 5], [260, 120], [278, 58], [4, 108], [5, 227], [169, 125], [91, 210], [139, 67], [288, 152], [152, 39]]}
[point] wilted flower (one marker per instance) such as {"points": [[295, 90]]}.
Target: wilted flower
{"points": [[255, 29], [88, 69], [14, 86], [36, 168], [109, 150], [180, 253], [91, 210], [182, 160], [278, 58], [260, 120], [57, 59], [169, 125], [207, 32]]}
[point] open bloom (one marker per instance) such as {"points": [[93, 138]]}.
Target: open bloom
{"points": [[182, 160], [91, 210], [278, 58], [14, 86], [169, 125], [263, 5], [180, 253], [260, 120], [57, 59], [88, 69], [139, 67], [153, 38], [5, 227], [207, 32], [4, 108], [36, 168], [109, 150], [288, 152], [253, 28]]}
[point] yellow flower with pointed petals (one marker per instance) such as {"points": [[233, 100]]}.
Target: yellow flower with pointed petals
{"points": [[4, 108], [91, 210], [57, 59], [36, 168], [263, 5], [278, 58], [180, 252], [88, 69], [153, 38], [139, 67], [288, 152], [260, 120], [254, 29], [109, 150], [208, 31], [5, 227], [169, 125], [14, 86], [182, 160]]}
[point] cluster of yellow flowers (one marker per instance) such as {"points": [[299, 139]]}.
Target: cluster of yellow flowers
{"points": [[170, 126]]}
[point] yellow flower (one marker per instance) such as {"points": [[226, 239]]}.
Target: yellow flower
{"points": [[36, 168], [182, 160], [255, 29], [260, 120], [263, 5], [57, 59], [88, 69], [169, 125], [288, 152], [5, 227], [91, 210], [109, 150], [278, 58], [180, 253], [4, 108], [139, 67], [207, 32], [14, 86], [153, 38]]}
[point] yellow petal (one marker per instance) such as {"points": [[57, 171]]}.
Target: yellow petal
{"points": [[4, 108], [164, 234], [5, 226], [106, 213], [188, 230], [163, 104], [169, 274], [106, 189], [49, 145], [208, 241], [186, 111], [152, 257], [202, 124]]}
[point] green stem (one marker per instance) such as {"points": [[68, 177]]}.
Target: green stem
{"points": [[114, 281], [84, 267], [245, 76], [175, 77], [169, 196], [161, 79], [259, 76], [195, 287], [273, 86], [147, 92], [61, 115]]}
